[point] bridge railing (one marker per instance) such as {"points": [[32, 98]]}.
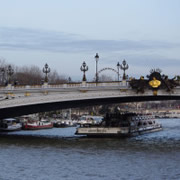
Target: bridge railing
{"points": [[66, 85]]}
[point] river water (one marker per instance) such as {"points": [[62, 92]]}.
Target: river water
{"points": [[57, 154]]}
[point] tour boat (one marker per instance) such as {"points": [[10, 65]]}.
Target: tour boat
{"points": [[119, 125], [33, 125], [10, 124]]}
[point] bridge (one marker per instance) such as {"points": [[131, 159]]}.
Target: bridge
{"points": [[22, 100]]}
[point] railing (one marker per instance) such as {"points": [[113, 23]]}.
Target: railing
{"points": [[66, 85]]}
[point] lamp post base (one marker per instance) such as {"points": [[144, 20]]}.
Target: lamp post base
{"points": [[84, 83]]}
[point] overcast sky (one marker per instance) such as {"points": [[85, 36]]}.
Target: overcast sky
{"points": [[64, 33]]}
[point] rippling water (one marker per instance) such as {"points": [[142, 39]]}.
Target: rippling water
{"points": [[58, 154]]}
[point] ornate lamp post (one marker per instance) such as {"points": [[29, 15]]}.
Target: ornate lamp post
{"points": [[118, 67], [46, 70], [97, 59], [124, 66], [84, 68], [10, 72]]}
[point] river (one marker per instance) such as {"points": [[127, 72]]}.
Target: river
{"points": [[57, 154]]}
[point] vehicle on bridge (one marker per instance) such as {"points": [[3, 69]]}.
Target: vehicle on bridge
{"points": [[121, 125], [10, 124]]}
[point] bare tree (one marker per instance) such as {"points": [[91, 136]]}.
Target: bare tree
{"points": [[3, 73], [104, 77], [29, 75], [55, 78]]}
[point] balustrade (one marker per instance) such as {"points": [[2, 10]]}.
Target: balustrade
{"points": [[123, 84]]}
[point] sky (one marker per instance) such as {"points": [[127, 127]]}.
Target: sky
{"points": [[64, 33]]}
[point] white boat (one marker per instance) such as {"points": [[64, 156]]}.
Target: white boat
{"points": [[120, 125], [64, 123], [90, 120], [10, 124]]}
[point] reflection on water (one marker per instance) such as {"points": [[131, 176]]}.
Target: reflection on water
{"points": [[59, 154]]}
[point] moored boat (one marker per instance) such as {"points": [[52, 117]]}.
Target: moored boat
{"points": [[10, 124], [64, 123], [33, 125], [119, 125], [89, 120]]}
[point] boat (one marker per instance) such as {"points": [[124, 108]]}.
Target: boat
{"points": [[64, 123], [10, 124], [121, 125], [33, 125], [89, 120]]}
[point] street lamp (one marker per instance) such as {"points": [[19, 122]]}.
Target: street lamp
{"points": [[97, 59], [10, 72], [118, 67], [46, 70], [124, 66], [84, 68]]}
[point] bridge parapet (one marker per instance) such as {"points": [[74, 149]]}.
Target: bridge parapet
{"points": [[65, 85]]}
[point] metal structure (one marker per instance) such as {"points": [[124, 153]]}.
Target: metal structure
{"points": [[97, 59], [10, 72], [46, 70], [107, 69], [104, 69], [84, 68], [124, 66]]}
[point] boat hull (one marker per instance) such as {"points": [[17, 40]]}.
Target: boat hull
{"points": [[9, 129], [32, 127], [63, 125], [114, 131]]}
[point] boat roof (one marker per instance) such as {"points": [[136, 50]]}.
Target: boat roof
{"points": [[9, 119], [92, 116]]}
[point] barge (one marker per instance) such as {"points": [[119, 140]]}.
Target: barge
{"points": [[121, 125]]}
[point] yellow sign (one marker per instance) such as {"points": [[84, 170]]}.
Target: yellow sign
{"points": [[155, 83]]}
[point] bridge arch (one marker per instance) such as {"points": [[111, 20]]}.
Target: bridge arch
{"points": [[51, 106]]}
